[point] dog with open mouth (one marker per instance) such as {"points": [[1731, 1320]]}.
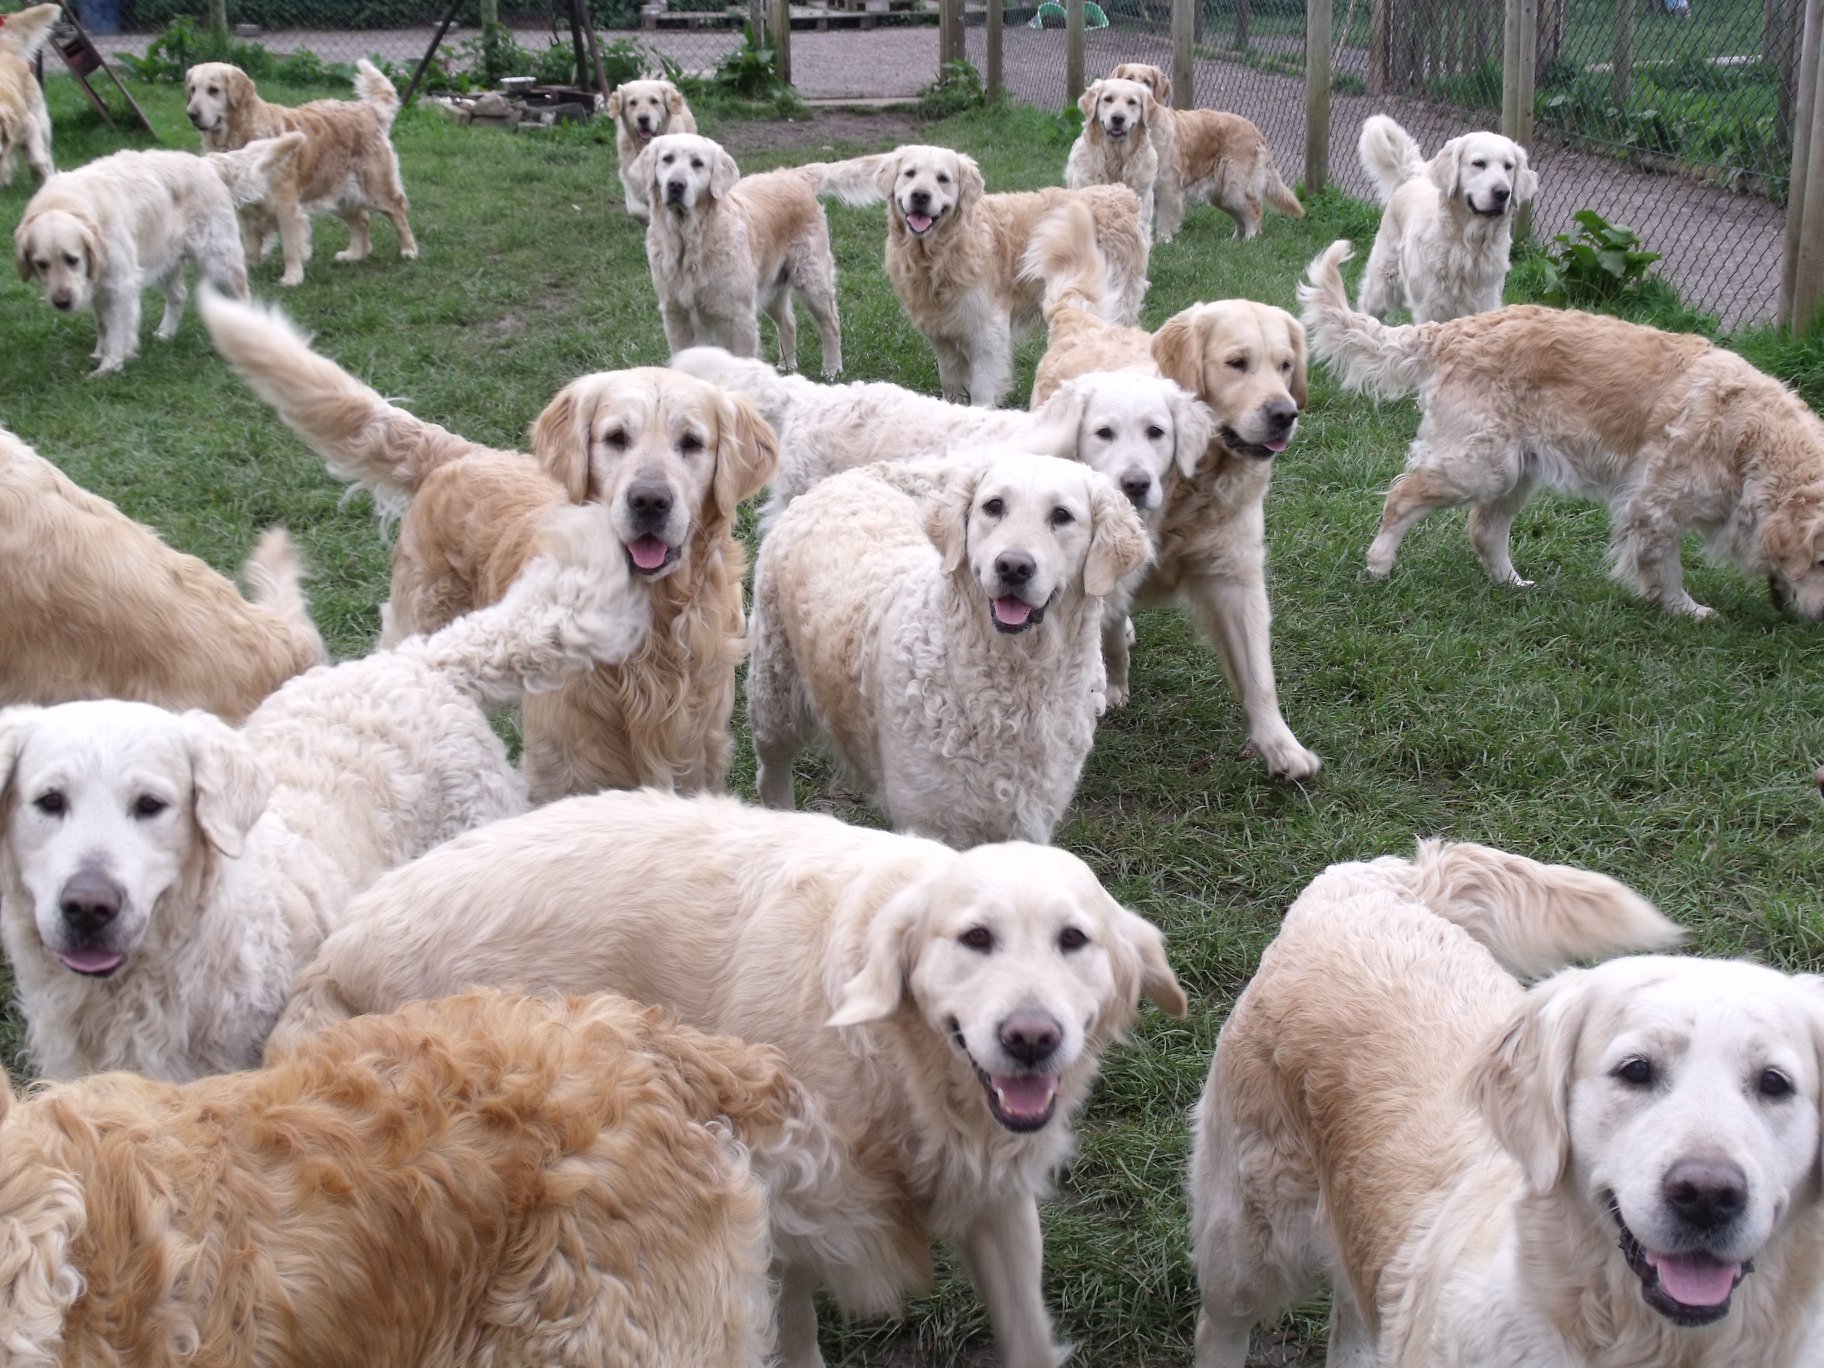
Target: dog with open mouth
{"points": [[945, 1012], [1616, 1167], [940, 623], [642, 111], [671, 457], [1116, 146]]}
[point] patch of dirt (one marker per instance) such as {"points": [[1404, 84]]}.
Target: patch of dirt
{"points": [[821, 131]]}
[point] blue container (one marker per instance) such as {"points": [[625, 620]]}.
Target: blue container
{"points": [[100, 16]]}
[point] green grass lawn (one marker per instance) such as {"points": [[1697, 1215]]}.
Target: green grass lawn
{"points": [[1570, 722]]}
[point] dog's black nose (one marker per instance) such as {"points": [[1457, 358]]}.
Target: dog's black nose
{"points": [[1137, 486], [674, 190], [90, 901], [1014, 567], [921, 201], [1116, 120], [650, 504], [1500, 194], [61, 301], [1281, 416], [1031, 1036], [643, 122], [1706, 1193]]}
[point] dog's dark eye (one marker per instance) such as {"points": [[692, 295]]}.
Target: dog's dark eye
{"points": [[690, 443], [1479, 163], [51, 803], [942, 179], [696, 163], [994, 508], [668, 158], [1285, 366], [1062, 517], [1154, 432], [69, 260], [148, 806], [977, 938], [1239, 363], [1107, 434], [214, 91], [1070, 938], [1773, 1083], [1635, 1071], [616, 439]]}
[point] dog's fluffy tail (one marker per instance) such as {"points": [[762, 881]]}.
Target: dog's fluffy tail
{"points": [[1064, 254], [1389, 155], [1279, 195], [856, 181], [275, 580], [247, 171], [24, 34], [573, 606], [773, 393], [361, 437], [1533, 918], [1366, 353], [373, 86]]}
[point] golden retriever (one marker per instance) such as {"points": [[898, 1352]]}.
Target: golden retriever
{"points": [[1116, 145], [946, 1011], [945, 634], [1442, 248], [94, 605], [99, 235], [642, 111], [956, 257], [346, 167], [486, 1179], [724, 247], [1207, 156], [163, 877], [669, 457], [1246, 362], [1668, 429], [1618, 1166], [25, 122]]}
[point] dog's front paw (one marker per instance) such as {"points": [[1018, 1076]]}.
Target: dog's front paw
{"points": [[292, 277], [409, 253], [1284, 757], [349, 254], [107, 367]]}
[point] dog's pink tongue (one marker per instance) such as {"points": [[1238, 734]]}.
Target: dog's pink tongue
{"points": [[648, 552], [645, 135], [1011, 611], [1277, 443], [1024, 1095], [918, 222], [90, 961], [1695, 1279]]}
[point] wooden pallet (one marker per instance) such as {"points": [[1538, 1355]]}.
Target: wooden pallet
{"points": [[72, 43]]}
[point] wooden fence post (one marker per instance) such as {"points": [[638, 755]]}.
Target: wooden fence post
{"points": [[1184, 60], [1519, 50], [1073, 52], [218, 19], [996, 23], [779, 15], [1622, 72], [1801, 289], [949, 33], [1241, 25], [1318, 17]]}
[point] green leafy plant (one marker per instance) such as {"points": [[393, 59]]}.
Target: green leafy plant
{"points": [[1601, 262], [750, 71], [958, 87]]}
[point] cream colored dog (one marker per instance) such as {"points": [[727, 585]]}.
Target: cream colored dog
{"points": [[99, 235], [163, 877], [644, 110], [1617, 1167], [486, 1179], [947, 1012], [723, 248], [669, 458], [941, 626], [346, 166], [1442, 248], [94, 605], [1246, 362], [1207, 156], [25, 122], [1668, 429], [1116, 145], [955, 256]]}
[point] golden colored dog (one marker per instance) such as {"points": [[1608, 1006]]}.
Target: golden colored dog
{"points": [[25, 122], [642, 111]]}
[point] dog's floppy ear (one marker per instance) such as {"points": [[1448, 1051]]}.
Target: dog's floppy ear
{"points": [[1141, 969], [229, 783], [969, 177], [1446, 167], [1522, 1084], [14, 723], [1794, 536], [613, 108], [1087, 100], [560, 438], [874, 990], [722, 175], [1058, 426], [1526, 180], [1299, 383], [645, 169], [22, 261], [674, 99], [886, 173], [747, 453], [1118, 544], [1193, 426], [1161, 84], [1178, 350], [1147, 101], [947, 519]]}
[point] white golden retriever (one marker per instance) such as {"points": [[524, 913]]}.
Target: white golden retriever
{"points": [[642, 111], [25, 121], [1671, 431], [946, 1012], [1442, 248], [941, 625], [101, 234], [1616, 1167], [163, 877], [724, 248], [1133, 428], [1116, 146]]}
